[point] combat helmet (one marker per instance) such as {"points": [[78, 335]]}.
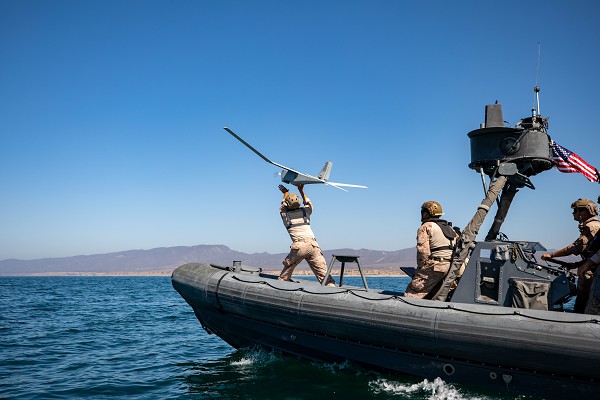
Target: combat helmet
{"points": [[292, 201], [586, 204], [433, 208]]}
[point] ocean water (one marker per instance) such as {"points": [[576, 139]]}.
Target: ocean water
{"points": [[136, 338]]}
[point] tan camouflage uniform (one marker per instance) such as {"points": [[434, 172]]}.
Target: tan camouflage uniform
{"points": [[304, 246], [593, 304], [587, 230], [431, 266]]}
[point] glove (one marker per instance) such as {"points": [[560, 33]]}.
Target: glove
{"points": [[283, 189]]}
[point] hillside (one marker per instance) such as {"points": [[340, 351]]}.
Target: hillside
{"points": [[164, 259]]}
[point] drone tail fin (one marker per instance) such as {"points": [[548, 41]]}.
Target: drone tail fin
{"points": [[325, 171]]}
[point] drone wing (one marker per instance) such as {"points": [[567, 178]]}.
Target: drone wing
{"points": [[248, 145], [345, 184]]}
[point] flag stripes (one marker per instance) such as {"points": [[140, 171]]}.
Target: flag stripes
{"points": [[568, 162]]}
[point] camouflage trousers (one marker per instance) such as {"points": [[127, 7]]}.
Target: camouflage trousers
{"points": [[305, 250], [593, 303], [584, 285], [426, 278]]}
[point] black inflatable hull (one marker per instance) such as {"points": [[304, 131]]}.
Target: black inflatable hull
{"points": [[551, 354]]}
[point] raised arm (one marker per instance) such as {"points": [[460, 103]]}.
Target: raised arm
{"points": [[301, 190], [284, 190]]}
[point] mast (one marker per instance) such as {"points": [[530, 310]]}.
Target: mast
{"points": [[536, 88]]}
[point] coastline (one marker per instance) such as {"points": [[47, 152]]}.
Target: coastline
{"points": [[168, 272]]}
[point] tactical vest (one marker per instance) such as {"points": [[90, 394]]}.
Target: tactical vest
{"points": [[449, 234], [294, 220], [442, 238], [593, 245], [297, 223]]}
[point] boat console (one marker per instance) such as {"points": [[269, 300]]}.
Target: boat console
{"points": [[506, 273]]}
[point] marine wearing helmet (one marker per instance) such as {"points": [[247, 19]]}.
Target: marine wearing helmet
{"points": [[585, 212], [591, 265], [292, 201], [586, 204], [296, 219], [435, 244], [433, 208]]}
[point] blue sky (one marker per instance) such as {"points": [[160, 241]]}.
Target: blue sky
{"points": [[112, 114]]}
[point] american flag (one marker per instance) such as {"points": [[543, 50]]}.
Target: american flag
{"points": [[567, 161]]}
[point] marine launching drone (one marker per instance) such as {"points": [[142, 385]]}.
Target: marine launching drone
{"points": [[297, 178]]}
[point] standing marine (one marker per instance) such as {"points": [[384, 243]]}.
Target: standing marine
{"points": [[435, 243], [585, 212], [590, 266], [296, 219]]}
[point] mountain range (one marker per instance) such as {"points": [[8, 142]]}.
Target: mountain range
{"points": [[164, 259]]}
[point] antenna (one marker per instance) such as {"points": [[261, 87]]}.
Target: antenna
{"points": [[536, 88]]}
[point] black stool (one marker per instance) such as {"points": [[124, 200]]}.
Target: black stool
{"points": [[344, 260]]}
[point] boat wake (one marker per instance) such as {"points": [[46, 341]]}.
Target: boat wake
{"points": [[431, 390], [254, 358]]}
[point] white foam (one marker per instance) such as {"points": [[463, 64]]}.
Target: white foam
{"points": [[436, 390], [243, 362], [255, 357]]}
